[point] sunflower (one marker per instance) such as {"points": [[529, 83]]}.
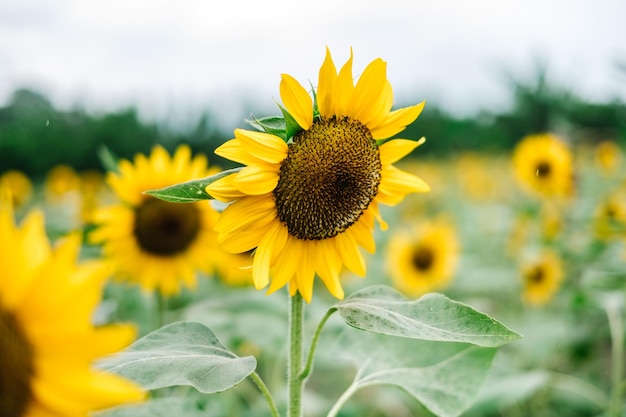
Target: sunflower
{"points": [[306, 205], [18, 185], [608, 156], [157, 244], [543, 165], [609, 217], [423, 259], [60, 180], [541, 278], [47, 339]]}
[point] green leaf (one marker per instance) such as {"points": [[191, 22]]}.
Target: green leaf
{"points": [[274, 125], [381, 309], [108, 159], [182, 353], [190, 191], [444, 377], [158, 407]]}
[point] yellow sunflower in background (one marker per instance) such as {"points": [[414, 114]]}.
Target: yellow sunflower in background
{"points": [[60, 180], [608, 156], [18, 185], [424, 258], [542, 278], [157, 244], [307, 205], [47, 339], [543, 165], [609, 218]]}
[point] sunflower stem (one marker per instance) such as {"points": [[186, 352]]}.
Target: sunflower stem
{"points": [[295, 383], [266, 393]]}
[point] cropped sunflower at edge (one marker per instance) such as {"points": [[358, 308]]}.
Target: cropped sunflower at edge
{"points": [[47, 339], [306, 204], [154, 243]]}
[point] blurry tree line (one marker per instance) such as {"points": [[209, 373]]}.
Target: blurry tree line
{"points": [[34, 136]]}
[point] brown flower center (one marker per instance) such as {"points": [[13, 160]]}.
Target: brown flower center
{"points": [[543, 169], [536, 275], [422, 258], [16, 367], [165, 229], [330, 176]]}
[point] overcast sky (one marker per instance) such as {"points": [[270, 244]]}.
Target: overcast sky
{"points": [[173, 58]]}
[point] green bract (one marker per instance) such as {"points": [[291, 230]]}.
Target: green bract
{"points": [[190, 191]]}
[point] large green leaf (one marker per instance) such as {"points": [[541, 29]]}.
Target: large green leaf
{"points": [[190, 191], [381, 309], [182, 353], [158, 407], [444, 377]]}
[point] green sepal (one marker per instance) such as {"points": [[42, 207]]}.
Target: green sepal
{"points": [[291, 126], [316, 110], [274, 125], [190, 191], [108, 159]]}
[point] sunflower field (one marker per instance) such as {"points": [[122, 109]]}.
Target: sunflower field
{"points": [[327, 261]]}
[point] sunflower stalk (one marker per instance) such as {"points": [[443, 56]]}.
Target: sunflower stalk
{"points": [[295, 382]]}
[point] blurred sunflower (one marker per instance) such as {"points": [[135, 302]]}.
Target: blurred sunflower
{"points": [[47, 338], [307, 205], [609, 219], [91, 192], [157, 244], [18, 185], [423, 259], [608, 156], [475, 180], [61, 180], [541, 278], [543, 165]]}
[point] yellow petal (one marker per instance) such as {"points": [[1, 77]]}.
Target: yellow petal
{"points": [[266, 147], [349, 252], [326, 86], [344, 88], [256, 180], [394, 150], [363, 235], [224, 189], [286, 264], [297, 101], [380, 108], [364, 103], [395, 184], [272, 242], [328, 266], [305, 274], [243, 240], [397, 121], [233, 150], [245, 212]]}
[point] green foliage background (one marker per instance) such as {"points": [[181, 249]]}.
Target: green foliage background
{"points": [[35, 136]]}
